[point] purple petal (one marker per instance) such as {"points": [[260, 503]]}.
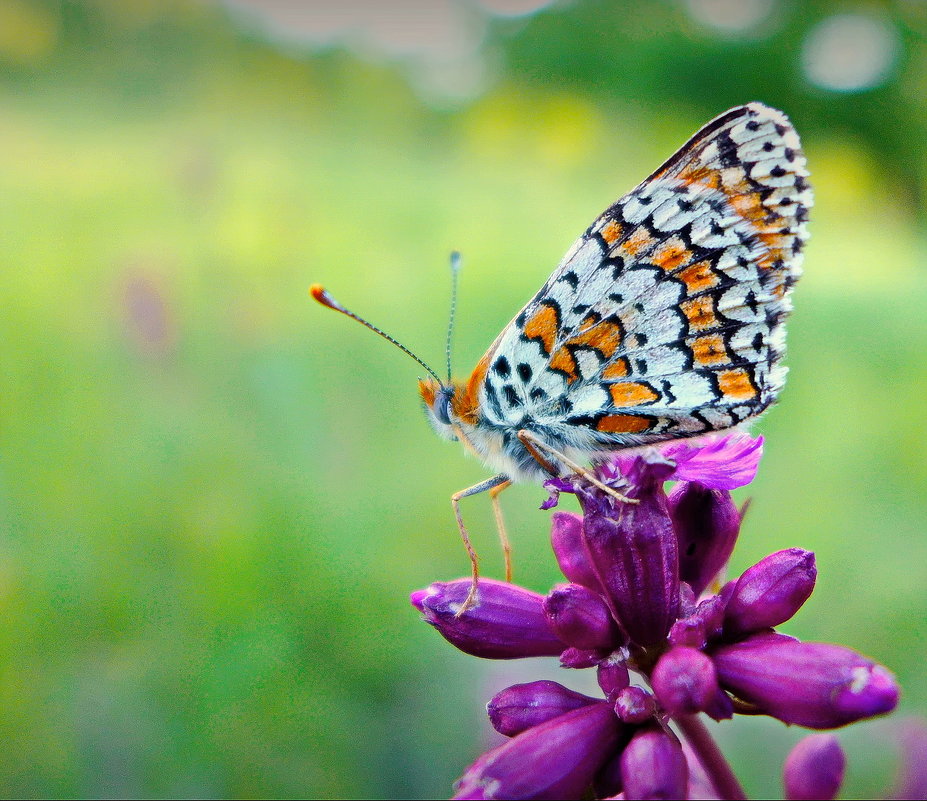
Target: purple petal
{"points": [[522, 706], [770, 592], [507, 622], [653, 766], [556, 759], [816, 685], [703, 625], [707, 523], [580, 617], [566, 537], [612, 673], [634, 552], [608, 782], [911, 781], [813, 770], [581, 658], [724, 462], [720, 707], [684, 681], [634, 705]]}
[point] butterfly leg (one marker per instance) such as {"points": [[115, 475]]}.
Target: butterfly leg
{"points": [[500, 481], [500, 527], [535, 445]]}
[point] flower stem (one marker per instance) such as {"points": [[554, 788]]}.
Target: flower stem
{"points": [[713, 761]]}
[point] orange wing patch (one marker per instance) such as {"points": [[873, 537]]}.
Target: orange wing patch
{"points": [[617, 369], [671, 254], [623, 424], [736, 385], [631, 394], [709, 350], [700, 313], [611, 232], [698, 277], [638, 241], [543, 325], [603, 335], [563, 361]]}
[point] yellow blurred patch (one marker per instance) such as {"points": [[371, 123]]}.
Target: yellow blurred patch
{"points": [[28, 33], [560, 130]]}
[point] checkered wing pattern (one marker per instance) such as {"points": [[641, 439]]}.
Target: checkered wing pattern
{"points": [[665, 319]]}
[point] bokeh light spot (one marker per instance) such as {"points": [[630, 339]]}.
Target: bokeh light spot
{"points": [[730, 16], [514, 8], [850, 52]]}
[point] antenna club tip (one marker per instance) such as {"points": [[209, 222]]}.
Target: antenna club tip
{"points": [[455, 259], [319, 293]]}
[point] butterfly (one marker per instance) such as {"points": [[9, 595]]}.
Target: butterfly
{"points": [[664, 320]]}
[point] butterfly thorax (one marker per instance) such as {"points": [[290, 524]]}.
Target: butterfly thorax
{"points": [[456, 412]]}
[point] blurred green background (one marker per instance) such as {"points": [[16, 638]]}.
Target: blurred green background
{"points": [[215, 496]]}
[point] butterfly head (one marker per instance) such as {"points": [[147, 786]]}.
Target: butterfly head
{"points": [[439, 406]]}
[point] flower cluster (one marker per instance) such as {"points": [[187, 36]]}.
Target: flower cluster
{"points": [[643, 597]]}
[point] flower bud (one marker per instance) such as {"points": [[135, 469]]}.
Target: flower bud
{"points": [[701, 626], [566, 536], [581, 658], [816, 685], [506, 622], [634, 705], [608, 783], [612, 673], [770, 592], [684, 681], [522, 706], [580, 617], [813, 770], [911, 779], [653, 766], [556, 759], [707, 523], [633, 549]]}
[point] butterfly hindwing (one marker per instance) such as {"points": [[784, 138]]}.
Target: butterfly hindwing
{"points": [[665, 319]]}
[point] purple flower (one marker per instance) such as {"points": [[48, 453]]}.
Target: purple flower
{"points": [[580, 617], [555, 759], [654, 766], [685, 681], [523, 706], [812, 684], [707, 523], [640, 600], [771, 591], [911, 781], [507, 622], [635, 705], [813, 770]]}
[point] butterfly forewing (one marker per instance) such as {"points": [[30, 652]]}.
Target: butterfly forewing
{"points": [[665, 319]]}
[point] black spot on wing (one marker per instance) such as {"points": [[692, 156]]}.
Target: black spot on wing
{"points": [[502, 367], [511, 396], [492, 398], [524, 372]]}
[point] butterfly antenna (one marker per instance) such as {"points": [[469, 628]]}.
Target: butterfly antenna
{"points": [[455, 273], [320, 294]]}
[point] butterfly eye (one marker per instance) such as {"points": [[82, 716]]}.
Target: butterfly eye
{"points": [[442, 407]]}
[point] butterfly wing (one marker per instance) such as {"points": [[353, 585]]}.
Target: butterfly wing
{"points": [[665, 318]]}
